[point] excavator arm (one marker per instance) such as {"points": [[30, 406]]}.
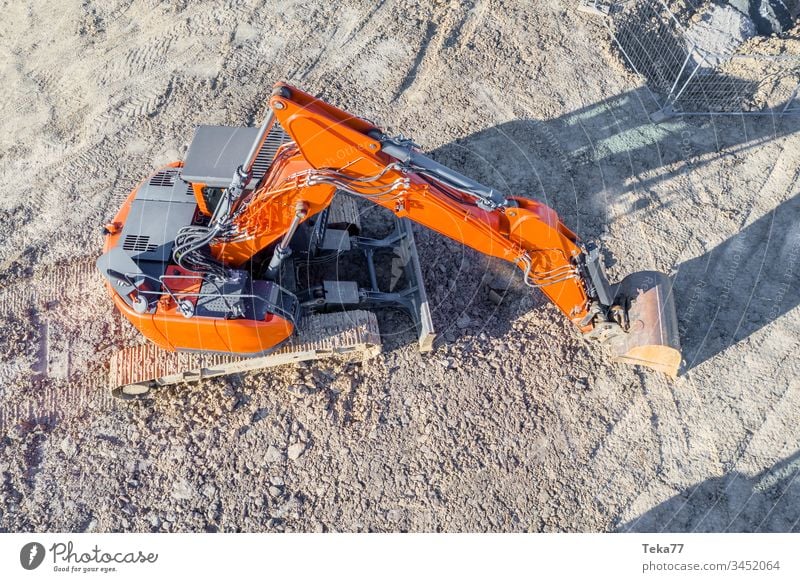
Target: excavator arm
{"points": [[332, 150]]}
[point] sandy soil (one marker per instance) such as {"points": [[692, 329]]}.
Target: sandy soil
{"points": [[513, 422]]}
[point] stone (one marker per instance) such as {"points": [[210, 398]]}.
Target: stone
{"points": [[68, 447], [718, 33], [259, 414], [182, 490], [274, 455], [495, 297], [296, 450], [449, 363], [300, 390]]}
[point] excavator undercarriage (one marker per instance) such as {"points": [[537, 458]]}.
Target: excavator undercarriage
{"points": [[251, 253]]}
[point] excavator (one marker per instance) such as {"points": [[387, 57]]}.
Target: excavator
{"points": [[251, 252]]}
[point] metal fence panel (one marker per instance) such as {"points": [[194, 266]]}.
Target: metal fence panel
{"points": [[656, 39]]}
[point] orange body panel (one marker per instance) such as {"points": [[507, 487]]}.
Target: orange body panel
{"points": [[169, 329]]}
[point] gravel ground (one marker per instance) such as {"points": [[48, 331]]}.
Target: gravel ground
{"points": [[513, 423]]}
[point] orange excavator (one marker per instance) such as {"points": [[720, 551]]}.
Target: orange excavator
{"points": [[229, 254]]}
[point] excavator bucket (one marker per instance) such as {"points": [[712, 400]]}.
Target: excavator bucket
{"points": [[652, 338]]}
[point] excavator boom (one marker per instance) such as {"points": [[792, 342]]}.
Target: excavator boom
{"points": [[357, 158]]}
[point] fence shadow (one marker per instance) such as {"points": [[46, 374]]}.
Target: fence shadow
{"points": [[768, 502]]}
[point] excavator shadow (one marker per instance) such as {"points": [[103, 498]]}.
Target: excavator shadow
{"points": [[734, 502]]}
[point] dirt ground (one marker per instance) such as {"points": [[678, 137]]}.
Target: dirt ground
{"points": [[513, 423]]}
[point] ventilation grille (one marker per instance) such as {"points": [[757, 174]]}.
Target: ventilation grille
{"points": [[164, 178], [189, 190], [138, 244], [275, 139]]}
